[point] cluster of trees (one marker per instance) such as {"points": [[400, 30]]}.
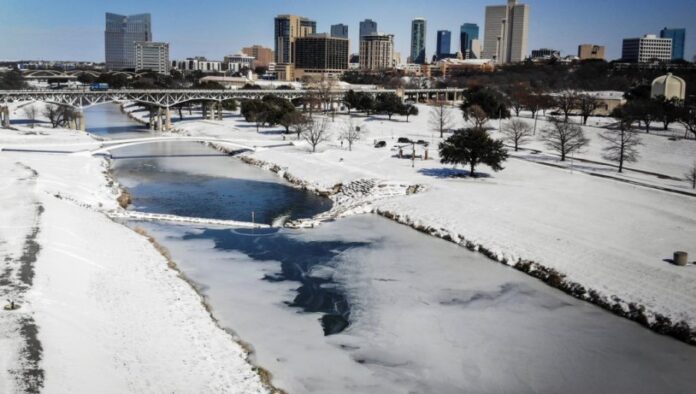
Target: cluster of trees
{"points": [[385, 103], [590, 75], [12, 80], [271, 110]]}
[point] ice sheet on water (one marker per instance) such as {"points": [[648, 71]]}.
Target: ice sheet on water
{"points": [[428, 316]]}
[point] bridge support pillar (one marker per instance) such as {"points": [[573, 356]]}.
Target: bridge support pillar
{"points": [[5, 117], [159, 119], [219, 106], [80, 120], [167, 119]]}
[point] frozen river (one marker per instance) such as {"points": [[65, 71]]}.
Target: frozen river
{"points": [[364, 305]]}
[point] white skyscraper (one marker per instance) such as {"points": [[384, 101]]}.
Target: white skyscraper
{"points": [[506, 31]]}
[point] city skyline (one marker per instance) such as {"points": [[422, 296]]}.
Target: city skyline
{"points": [[42, 32]]}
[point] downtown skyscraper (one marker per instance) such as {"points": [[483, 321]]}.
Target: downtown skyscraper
{"points": [[467, 34], [288, 28], [678, 37], [443, 47], [368, 27], [418, 36], [506, 31], [120, 35]]}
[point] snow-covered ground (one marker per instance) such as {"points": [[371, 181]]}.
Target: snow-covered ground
{"points": [[605, 235], [101, 310]]}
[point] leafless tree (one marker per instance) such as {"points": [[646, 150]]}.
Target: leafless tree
{"points": [[691, 176], [31, 112], [622, 143], [566, 102], [301, 125], [477, 115], [351, 132], [316, 133], [53, 113], [441, 117], [587, 105], [564, 138], [517, 132], [59, 115]]}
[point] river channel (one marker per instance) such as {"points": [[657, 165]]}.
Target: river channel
{"points": [[365, 305]]}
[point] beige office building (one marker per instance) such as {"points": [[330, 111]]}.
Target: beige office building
{"points": [[152, 56], [377, 52], [262, 55], [506, 32], [591, 52]]}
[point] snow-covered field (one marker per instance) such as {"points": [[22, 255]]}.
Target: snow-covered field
{"points": [[605, 235], [101, 311]]}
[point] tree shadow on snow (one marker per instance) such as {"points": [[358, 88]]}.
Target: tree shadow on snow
{"points": [[447, 173]]}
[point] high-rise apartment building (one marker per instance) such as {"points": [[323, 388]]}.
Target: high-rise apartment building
{"points": [[506, 31], [319, 55], [591, 52], [467, 33], [443, 47], [262, 55], [418, 29], [152, 56], [340, 30], [120, 35], [678, 37], [288, 28], [377, 52], [368, 27], [646, 49]]}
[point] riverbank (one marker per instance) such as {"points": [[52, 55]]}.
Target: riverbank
{"points": [[599, 240], [103, 311]]}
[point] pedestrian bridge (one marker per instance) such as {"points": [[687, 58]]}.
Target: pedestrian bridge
{"points": [[106, 147]]}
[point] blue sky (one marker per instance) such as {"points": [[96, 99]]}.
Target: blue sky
{"points": [[73, 29]]}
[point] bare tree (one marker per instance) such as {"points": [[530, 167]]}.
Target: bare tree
{"points": [[301, 125], [587, 105], [566, 102], [622, 143], [441, 117], [351, 132], [316, 133], [31, 112], [687, 118], [691, 176], [59, 116], [517, 132], [564, 137], [53, 113], [477, 115]]}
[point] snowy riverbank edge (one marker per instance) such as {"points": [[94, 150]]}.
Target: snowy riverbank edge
{"points": [[651, 319], [110, 309], [124, 199]]}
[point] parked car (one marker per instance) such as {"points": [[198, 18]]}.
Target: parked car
{"points": [[404, 140], [380, 144]]}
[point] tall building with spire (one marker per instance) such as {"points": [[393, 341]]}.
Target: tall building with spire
{"points": [[418, 28], [506, 31], [120, 35]]}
